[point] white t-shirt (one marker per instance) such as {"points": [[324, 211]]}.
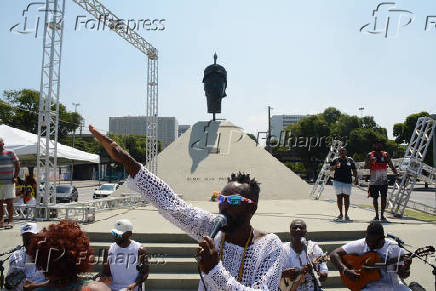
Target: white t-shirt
{"points": [[20, 261], [294, 260], [389, 278], [123, 262]]}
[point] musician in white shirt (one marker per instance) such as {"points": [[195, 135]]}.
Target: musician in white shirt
{"points": [[296, 259], [387, 249]]}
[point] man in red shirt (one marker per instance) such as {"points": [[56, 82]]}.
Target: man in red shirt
{"points": [[377, 161]]}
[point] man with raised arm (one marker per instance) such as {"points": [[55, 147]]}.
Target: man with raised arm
{"points": [[239, 257]]}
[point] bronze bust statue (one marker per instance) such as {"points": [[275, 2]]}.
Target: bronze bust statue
{"points": [[215, 84]]}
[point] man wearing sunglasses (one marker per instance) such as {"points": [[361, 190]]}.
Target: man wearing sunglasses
{"points": [[121, 260], [239, 257], [375, 241]]}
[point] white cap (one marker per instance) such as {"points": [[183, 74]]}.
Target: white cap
{"points": [[122, 225], [29, 227]]}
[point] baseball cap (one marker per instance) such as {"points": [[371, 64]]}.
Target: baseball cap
{"points": [[121, 226], [29, 227]]}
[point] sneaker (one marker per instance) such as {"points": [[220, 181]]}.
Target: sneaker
{"points": [[375, 218], [347, 218], [339, 218]]}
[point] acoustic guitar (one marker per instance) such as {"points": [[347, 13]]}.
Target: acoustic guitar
{"points": [[286, 284], [369, 265]]}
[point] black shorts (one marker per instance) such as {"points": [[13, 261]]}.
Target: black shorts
{"points": [[374, 191]]}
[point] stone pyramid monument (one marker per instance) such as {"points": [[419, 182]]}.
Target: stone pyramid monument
{"points": [[200, 160]]}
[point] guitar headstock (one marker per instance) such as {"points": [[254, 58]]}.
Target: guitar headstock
{"points": [[424, 251]]}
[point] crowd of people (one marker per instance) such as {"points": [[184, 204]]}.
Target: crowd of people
{"points": [[53, 258], [239, 257]]}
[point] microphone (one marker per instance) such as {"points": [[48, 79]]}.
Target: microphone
{"points": [[395, 238], [313, 273], [220, 221]]}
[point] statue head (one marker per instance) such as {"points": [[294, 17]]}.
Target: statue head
{"points": [[215, 84]]}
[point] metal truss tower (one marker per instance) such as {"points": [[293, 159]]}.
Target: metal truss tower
{"points": [[110, 20], [412, 164], [152, 115], [48, 117], [324, 174]]}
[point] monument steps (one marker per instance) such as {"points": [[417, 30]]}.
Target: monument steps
{"points": [[173, 266]]}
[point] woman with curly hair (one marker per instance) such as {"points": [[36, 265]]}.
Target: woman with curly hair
{"points": [[62, 251]]}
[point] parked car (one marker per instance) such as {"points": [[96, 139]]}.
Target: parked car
{"points": [[105, 190], [66, 193]]}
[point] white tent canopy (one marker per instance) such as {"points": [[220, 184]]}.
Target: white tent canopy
{"points": [[24, 144]]}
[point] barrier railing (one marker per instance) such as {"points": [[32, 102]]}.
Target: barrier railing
{"points": [[77, 211]]}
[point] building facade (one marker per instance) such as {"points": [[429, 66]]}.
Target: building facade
{"points": [[167, 132], [280, 122]]}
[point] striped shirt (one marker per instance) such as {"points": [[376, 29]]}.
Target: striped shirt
{"points": [[8, 159]]}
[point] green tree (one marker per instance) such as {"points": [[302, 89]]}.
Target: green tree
{"points": [[368, 122], [331, 115], [20, 109], [300, 139], [297, 167], [403, 131], [344, 125]]}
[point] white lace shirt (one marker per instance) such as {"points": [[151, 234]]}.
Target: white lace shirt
{"points": [[263, 260]]}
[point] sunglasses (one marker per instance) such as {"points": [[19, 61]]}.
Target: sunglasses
{"points": [[234, 200], [116, 235]]}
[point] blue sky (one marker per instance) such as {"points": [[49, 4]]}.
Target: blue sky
{"points": [[297, 56]]}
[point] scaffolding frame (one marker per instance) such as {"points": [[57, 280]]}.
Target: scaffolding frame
{"points": [[412, 165], [324, 174], [109, 19], [48, 116]]}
